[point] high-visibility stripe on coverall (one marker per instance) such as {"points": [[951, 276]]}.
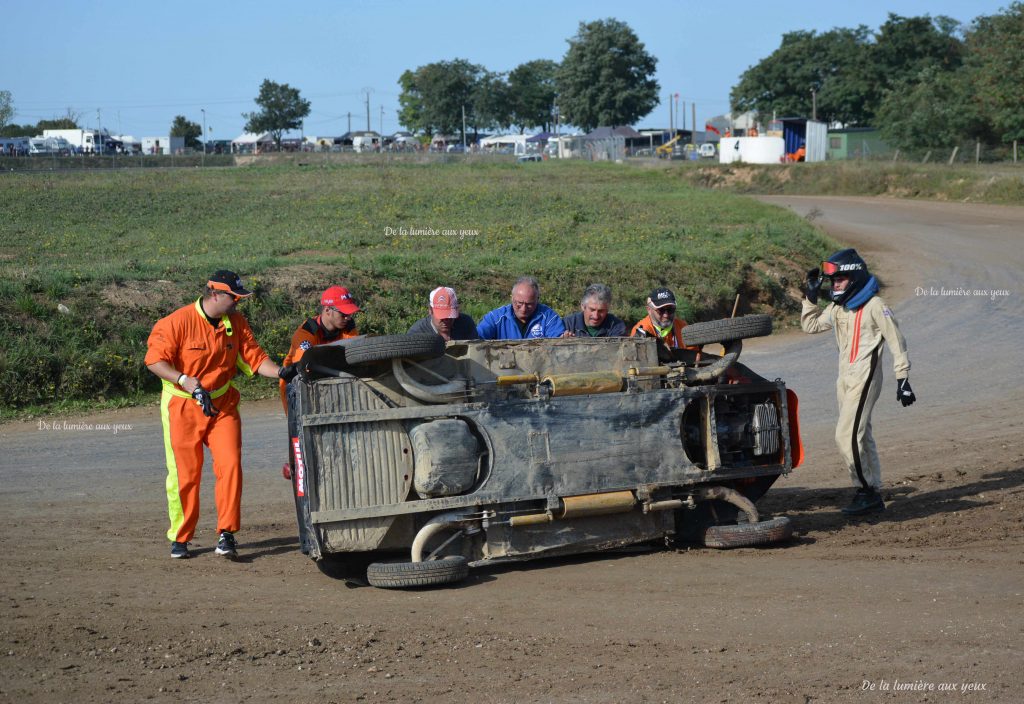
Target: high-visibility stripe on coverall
{"points": [[859, 335], [187, 340]]}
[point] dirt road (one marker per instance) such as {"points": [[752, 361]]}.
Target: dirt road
{"points": [[902, 608]]}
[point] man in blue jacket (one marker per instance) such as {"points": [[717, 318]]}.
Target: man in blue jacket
{"points": [[525, 317]]}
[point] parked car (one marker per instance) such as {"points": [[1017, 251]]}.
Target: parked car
{"points": [[475, 453], [456, 149], [707, 150]]}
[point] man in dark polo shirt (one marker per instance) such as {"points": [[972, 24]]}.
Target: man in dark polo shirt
{"points": [[445, 319]]}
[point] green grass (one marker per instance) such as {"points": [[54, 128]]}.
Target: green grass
{"points": [[120, 249], [984, 183]]}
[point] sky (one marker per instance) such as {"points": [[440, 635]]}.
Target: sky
{"points": [[135, 65]]}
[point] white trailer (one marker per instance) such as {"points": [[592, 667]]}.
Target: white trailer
{"points": [[87, 141], [163, 145]]}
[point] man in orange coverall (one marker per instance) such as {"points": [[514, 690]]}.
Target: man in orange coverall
{"points": [[335, 322], [196, 350], [661, 322]]}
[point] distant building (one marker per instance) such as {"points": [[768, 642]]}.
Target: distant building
{"points": [[163, 145], [856, 143]]}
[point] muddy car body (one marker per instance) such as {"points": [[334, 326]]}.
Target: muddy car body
{"points": [[487, 451]]}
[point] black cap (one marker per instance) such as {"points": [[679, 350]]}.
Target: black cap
{"points": [[662, 297], [229, 282]]}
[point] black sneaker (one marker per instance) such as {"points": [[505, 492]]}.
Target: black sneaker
{"points": [[865, 501], [179, 551], [226, 545]]}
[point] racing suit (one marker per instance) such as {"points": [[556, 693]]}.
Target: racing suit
{"points": [[310, 334], [188, 341], [859, 335]]}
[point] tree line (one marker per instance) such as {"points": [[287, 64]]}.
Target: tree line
{"points": [[924, 82], [606, 78]]}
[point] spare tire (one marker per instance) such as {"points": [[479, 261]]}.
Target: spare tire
{"points": [[727, 330], [375, 349], [747, 534], [400, 575]]}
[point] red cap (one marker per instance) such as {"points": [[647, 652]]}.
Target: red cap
{"points": [[340, 298], [444, 303]]}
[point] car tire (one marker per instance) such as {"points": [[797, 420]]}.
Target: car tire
{"points": [[748, 534], [401, 575], [385, 347], [727, 330]]}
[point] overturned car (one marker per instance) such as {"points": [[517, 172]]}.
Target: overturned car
{"points": [[471, 453]]}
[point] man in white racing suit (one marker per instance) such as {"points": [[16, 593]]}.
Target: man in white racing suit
{"points": [[862, 321]]}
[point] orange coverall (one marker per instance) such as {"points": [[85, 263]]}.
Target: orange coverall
{"points": [[189, 342], [309, 334], [674, 340]]}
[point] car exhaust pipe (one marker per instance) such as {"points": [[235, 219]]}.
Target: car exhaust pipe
{"points": [[583, 383], [580, 506], [724, 493], [711, 373], [438, 524], [434, 393]]}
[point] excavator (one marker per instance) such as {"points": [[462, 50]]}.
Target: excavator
{"points": [[665, 150]]}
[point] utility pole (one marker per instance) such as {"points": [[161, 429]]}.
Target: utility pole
{"points": [[99, 133], [677, 110], [670, 113], [203, 110], [368, 91], [814, 104], [382, 124], [463, 129], [693, 133], [350, 121]]}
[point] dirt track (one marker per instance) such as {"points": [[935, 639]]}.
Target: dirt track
{"points": [[928, 595]]}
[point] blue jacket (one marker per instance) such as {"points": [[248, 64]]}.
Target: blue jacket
{"points": [[501, 324]]}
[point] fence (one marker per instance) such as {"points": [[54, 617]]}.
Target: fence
{"points": [[88, 162]]}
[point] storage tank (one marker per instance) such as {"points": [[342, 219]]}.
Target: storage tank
{"points": [[752, 150]]}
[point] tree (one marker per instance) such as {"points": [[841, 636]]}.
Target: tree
{"points": [[906, 46], [532, 91], [492, 106], [434, 96], [932, 110], [57, 123], [606, 76], [189, 130], [834, 65], [410, 100], [995, 69], [6, 108], [282, 109]]}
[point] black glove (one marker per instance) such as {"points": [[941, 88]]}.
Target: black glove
{"points": [[288, 372], [904, 394], [202, 397], [813, 287]]}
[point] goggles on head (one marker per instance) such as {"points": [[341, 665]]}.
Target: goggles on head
{"points": [[829, 268]]}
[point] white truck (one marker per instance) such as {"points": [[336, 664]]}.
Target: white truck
{"points": [[87, 141]]}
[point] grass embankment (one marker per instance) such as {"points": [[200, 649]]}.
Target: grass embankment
{"points": [[984, 183], [118, 250]]}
